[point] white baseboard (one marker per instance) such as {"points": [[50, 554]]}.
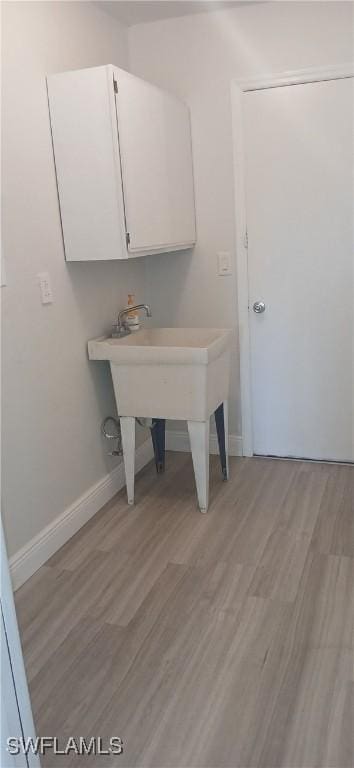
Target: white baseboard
{"points": [[28, 559], [38, 550], [179, 441]]}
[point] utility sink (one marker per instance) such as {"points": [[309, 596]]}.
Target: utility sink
{"points": [[162, 345], [169, 373]]}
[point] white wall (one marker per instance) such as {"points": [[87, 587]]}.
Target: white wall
{"points": [[54, 399], [196, 57]]}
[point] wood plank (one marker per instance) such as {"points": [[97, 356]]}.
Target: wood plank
{"points": [[334, 531]]}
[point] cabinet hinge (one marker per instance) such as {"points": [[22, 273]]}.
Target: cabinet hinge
{"points": [[115, 86], [245, 239], [127, 237]]}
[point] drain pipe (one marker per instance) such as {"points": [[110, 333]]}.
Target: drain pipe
{"points": [[110, 428]]}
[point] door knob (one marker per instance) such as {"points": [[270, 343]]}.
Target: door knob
{"points": [[259, 307]]}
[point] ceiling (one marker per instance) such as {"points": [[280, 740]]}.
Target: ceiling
{"points": [[131, 12]]}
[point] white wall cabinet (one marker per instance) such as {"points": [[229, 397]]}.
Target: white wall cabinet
{"points": [[123, 160]]}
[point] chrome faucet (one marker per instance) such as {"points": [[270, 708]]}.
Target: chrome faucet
{"points": [[120, 328]]}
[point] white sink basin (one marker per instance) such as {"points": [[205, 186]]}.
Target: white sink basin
{"points": [[162, 345], [173, 373], [170, 373]]}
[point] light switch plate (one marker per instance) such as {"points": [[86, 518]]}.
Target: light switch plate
{"points": [[45, 288], [224, 263], [3, 280]]}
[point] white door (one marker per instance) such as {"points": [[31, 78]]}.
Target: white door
{"points": [[299, 207]]}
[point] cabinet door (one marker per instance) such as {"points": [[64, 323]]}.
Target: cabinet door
{"points": [[157, 172], [86, 151]]}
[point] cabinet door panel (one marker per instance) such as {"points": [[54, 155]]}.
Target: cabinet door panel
{"points": [[156, 157], [85, 141]]}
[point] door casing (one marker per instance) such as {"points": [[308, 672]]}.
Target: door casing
{"points": [[238, 88]]}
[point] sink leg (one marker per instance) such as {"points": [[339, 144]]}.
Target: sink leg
{"points": [[158, 440], [221, 421], [127, 425], [199, 439]]}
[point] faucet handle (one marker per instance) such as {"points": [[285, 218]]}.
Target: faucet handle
{"points": [[119, 330]]}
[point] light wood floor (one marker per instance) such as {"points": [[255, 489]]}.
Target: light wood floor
{"points": [[220, 640]]}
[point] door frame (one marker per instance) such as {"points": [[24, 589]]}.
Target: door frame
{"points": [[238, 88], [15, 698]]}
